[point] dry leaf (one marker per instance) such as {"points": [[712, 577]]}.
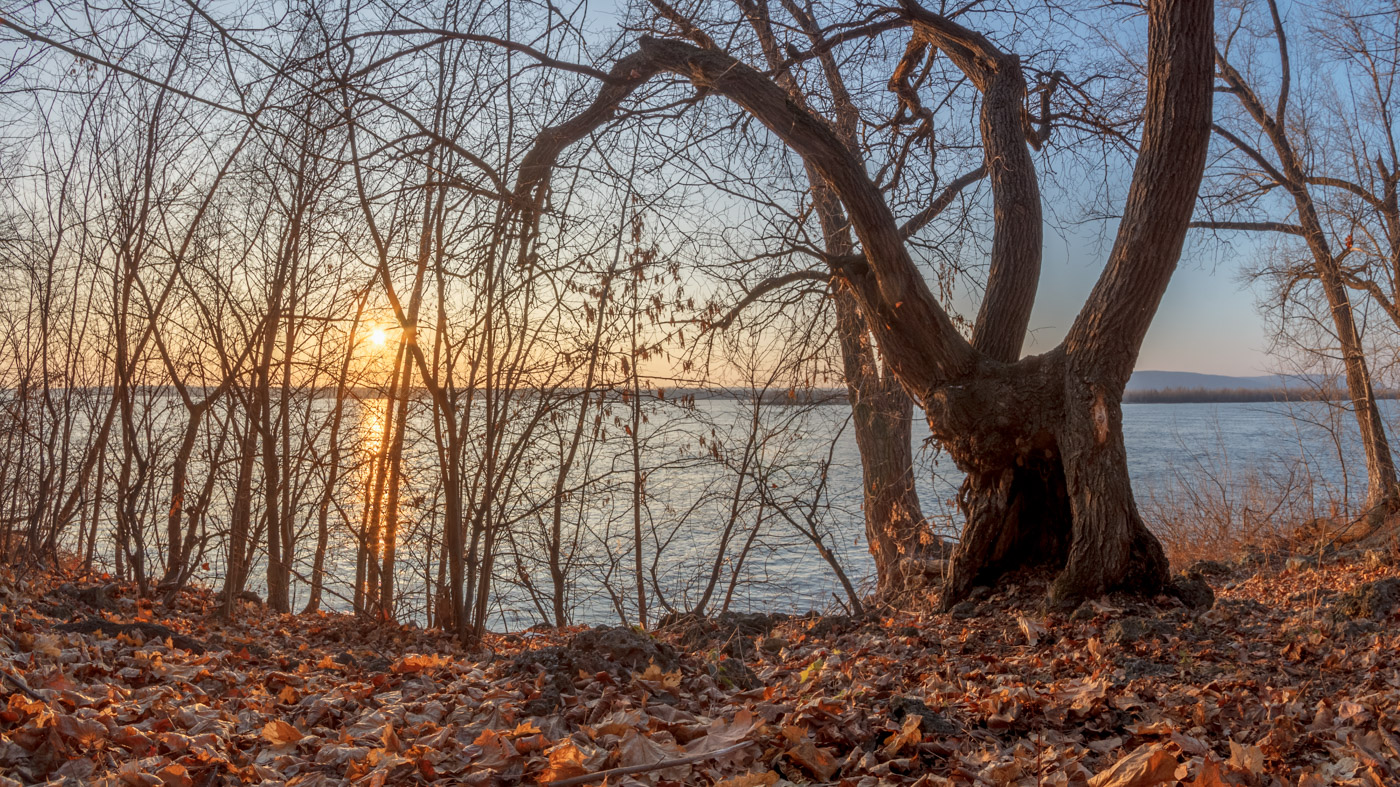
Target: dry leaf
{"points": [[414, 662], [1146, 767], [1247, 758], [668, 681], [908, 735], [175, 775], [279, 733], [814, 759], [1210, 775], [565, 761], [764, 779], [1033, 630]]}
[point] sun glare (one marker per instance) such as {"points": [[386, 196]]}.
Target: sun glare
{"points": [[377, 337]]}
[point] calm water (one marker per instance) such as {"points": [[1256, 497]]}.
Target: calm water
{"points": [[691, 498], [1168, 445]]}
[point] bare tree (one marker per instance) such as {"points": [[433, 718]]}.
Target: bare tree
{"points": [[1274, 146], [1041, 438]]}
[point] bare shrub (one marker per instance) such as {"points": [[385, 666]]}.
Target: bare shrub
{"points": [[1213, 511]]}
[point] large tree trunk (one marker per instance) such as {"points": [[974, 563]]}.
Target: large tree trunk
{"points": [[882, 415], [1047, 481]]}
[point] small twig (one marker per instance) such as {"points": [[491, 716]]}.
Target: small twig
{"points": [[655, 766], [22, 686], [842, 603]]}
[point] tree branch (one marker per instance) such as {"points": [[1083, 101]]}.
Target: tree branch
{"points": [[1249, 226], [763, 288], [940, 203], [1014, 274], [1346, 185], [923, 344]]}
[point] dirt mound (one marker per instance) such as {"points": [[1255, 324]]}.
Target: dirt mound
{"points": [[1373, 600]]}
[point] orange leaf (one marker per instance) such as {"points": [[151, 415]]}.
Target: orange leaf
{"points": [[175, 775], [565, 761], [1148, 766], [908, 735], [1209, 775], [278, 733], [415, 662]]}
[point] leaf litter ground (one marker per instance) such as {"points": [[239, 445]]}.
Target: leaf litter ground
{"points": [[1291, 678]]}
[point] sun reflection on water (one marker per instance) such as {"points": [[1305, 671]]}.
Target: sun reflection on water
{"points": [[373, 419]]}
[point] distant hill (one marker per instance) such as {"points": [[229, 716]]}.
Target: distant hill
{"points": [[1152, 387], [1162, 381]]}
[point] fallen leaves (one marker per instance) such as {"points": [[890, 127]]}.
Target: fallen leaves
{"points": [[815, 760], [1258, 692]]}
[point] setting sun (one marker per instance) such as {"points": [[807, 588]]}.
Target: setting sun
{"points": [[377, 337]]}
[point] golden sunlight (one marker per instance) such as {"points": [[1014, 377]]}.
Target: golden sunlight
{"points": [[377, 337]]}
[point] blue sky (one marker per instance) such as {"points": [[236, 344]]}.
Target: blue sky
{"points": [[1208, 322]]}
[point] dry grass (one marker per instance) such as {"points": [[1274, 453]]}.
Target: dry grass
{"points": [[1211, 512]]}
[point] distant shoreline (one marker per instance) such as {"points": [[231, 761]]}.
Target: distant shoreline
{"points": [[1240, 395], [837, 396]]}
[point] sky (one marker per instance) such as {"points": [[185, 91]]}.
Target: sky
{"points": [[1208, 321]]}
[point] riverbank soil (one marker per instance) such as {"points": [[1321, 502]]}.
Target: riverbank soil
{"points": [[1292, 676]]}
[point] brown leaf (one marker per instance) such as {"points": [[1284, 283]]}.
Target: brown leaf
{"points": [[175, 775], [638, 749], [565, 761], [86, 733], [495, 751], [1210, 775], [1033, 629], [278, 733], [908, 735], [1145, 767], [765, 779], [1249, 759], [815, 760], [722, 734]]}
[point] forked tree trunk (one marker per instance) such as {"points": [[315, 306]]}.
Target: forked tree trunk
{"points": [[1047, 481], [1040, 438]]}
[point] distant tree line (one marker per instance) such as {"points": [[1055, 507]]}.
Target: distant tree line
{"points": [[1208, 395]]}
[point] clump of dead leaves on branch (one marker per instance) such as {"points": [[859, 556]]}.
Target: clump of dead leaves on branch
{"points": [[1291, 678]]}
